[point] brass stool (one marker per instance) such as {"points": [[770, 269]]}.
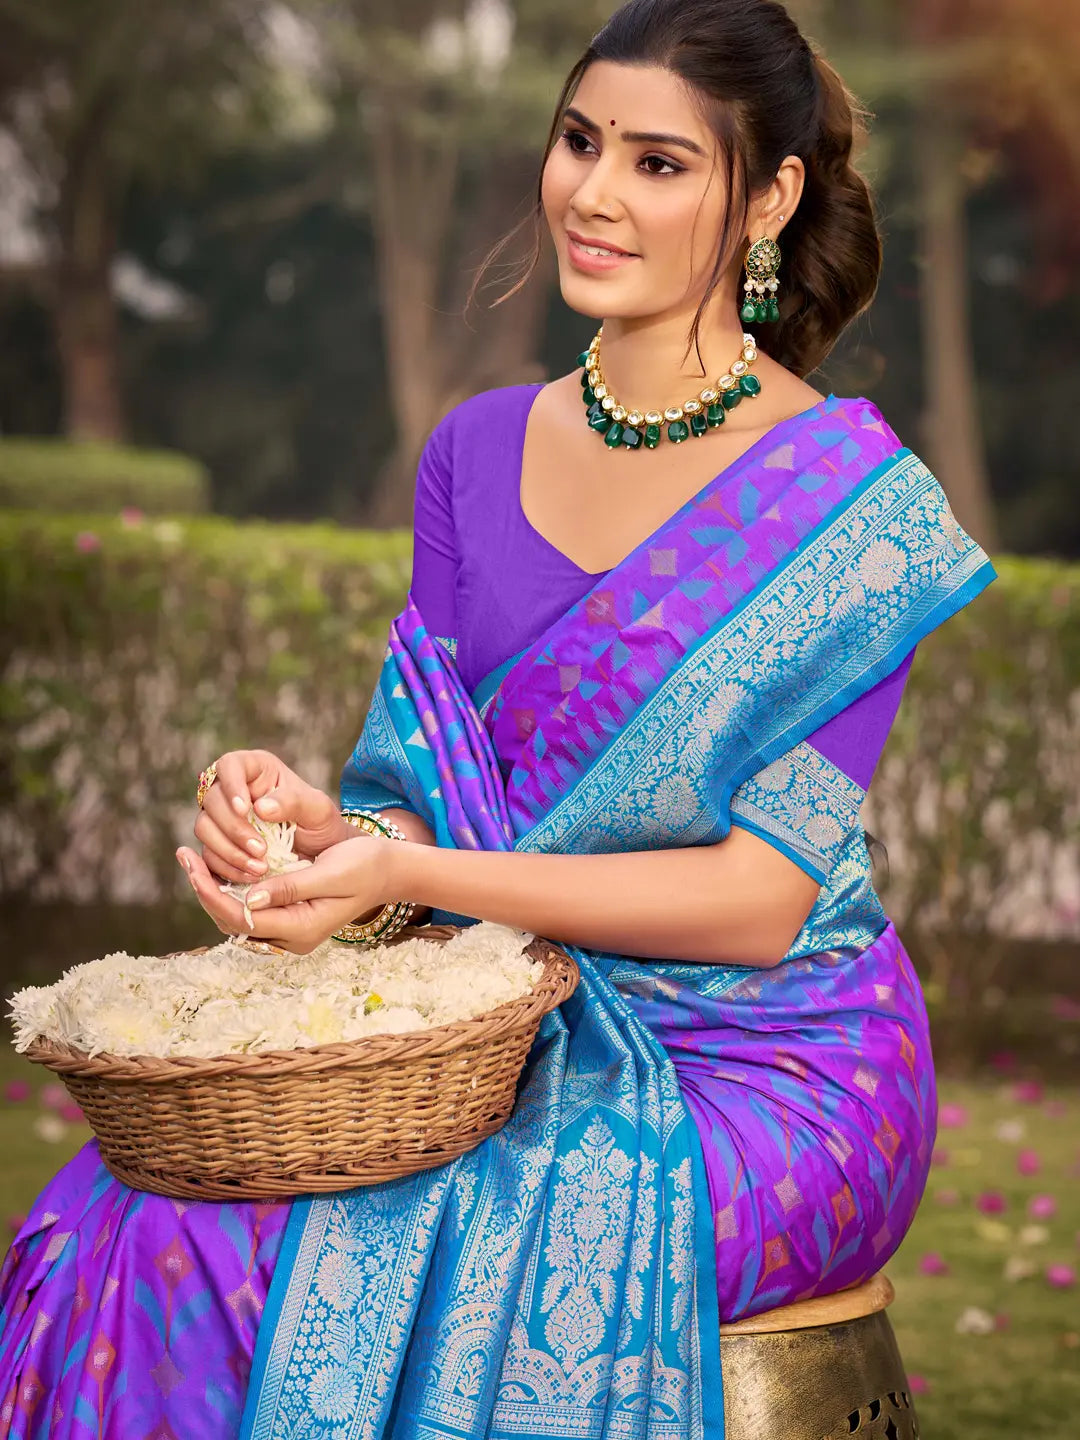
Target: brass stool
{"points": [[821, 1369]]}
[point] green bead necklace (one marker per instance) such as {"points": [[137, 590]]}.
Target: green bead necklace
{"points": [[632, 429]]}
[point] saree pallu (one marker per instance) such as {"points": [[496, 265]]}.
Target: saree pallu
{"points": [[689, 1140]]}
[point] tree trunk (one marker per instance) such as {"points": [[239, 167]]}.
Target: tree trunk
{"points": [[85, 314], [951, 408], [426, 251], [415, 181], [951, 430]]}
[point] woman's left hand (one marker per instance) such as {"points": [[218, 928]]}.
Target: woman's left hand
{"points": [[299, 910]]}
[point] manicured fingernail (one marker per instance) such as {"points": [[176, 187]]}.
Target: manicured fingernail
{"points": [[259, 900], [239, 806], [184, 861], [257, 867], [256, 847], [269, 807]]}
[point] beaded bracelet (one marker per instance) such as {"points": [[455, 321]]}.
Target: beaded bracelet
{"points": [[395, 914]]}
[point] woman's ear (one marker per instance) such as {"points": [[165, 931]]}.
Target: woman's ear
{"points": [[784, 194], [777, 205]]}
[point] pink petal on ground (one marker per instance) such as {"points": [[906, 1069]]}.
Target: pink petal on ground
{"points": [[918, 1384], [72, 1113], [952, 1117], [131, 517], [940, 1156], [53, 1097], [1042, 1207], [991, 1202], [1062, 1277], [933, 1264], [1056, 1109], [1001, 1321], [1004, 1062], [951, 1197], [16, 1090], [1028, 1092], [86, 542], [1028, 1163]]}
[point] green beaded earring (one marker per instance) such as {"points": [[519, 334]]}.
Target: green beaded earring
{"points": [[762, 262]]}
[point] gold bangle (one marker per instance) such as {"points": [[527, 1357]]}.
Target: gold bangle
{"points": [[395, 914]]}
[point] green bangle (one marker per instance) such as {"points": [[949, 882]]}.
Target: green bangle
{"points": [[373, 823]]}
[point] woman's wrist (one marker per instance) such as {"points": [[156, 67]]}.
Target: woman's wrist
{"points": [[399, 868], [340, 829]]}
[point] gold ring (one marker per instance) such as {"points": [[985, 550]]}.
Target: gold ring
{"points": [[206, 779]]}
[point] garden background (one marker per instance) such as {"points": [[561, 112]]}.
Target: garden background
{"points": [[235, 240]]}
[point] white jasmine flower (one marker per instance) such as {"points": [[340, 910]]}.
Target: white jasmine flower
{"points": [[231, 1001], [279, 856]]}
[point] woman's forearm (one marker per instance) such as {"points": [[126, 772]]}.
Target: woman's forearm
{"points": [[420, 833], [739, 902]]}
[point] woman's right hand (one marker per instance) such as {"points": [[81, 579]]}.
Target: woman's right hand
{"points": [[256, 780]]}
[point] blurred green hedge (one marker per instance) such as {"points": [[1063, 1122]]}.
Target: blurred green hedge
{"points": [[977, 795], [65, 475], [133, 654]]}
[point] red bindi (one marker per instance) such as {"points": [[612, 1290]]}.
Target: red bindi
{"points": [[612, 122]]}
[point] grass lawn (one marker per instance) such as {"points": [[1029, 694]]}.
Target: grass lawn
{"points": [[983, 1220]]}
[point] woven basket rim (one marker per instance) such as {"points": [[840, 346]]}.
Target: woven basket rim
{"points": [[556, 984]]}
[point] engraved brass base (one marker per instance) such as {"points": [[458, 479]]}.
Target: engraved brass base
{"points": [[823, 1381]]}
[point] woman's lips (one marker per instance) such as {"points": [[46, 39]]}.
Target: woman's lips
{"points": [[580, 258]]}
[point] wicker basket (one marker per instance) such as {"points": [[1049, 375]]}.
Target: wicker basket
{"points": [[289, 1122]]}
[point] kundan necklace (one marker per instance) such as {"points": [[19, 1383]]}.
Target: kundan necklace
{"points": [[633, 428]]}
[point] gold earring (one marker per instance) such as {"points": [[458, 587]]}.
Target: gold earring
{"points": [[762, 262]]}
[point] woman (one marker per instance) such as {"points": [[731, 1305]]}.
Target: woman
{"points": [[633, 703]]}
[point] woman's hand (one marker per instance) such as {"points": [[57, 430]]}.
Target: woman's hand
{"points": [[255, 779], [300, 909]]}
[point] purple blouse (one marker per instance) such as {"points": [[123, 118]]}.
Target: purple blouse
{"points": [[484, 576]]}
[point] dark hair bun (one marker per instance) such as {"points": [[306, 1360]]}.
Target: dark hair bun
{"points": [[832, 248]]}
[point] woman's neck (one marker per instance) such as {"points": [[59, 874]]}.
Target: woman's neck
{"points": [[646, 363]]}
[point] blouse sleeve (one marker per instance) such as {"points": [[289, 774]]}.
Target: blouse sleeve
{"points": [[807, 802], [434, 573], [365, 781]]}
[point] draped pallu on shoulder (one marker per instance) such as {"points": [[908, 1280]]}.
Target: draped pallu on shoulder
{"points": [[771, 602]]}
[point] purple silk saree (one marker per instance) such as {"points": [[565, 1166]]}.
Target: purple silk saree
{"points": [[763, 1135]]}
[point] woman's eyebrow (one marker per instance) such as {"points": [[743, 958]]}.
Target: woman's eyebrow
{"points": [[646, 137]]}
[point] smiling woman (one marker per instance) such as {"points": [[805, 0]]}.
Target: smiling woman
{"points": [[632, 705]]}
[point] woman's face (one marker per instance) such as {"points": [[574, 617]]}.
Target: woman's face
{"points": [[635, 168]]}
